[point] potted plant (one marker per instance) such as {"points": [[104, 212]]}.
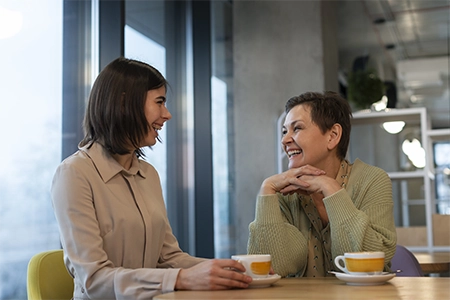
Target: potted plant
{"points": [[364, 88]]}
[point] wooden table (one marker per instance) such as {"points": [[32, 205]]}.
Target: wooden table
{"points": [[423, 288], [436, 262]]}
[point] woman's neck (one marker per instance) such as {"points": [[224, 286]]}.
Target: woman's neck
{"points": [[331, 166], [124, 160]]}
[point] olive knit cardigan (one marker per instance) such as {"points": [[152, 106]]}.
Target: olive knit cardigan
{"points": [[360, 219]]}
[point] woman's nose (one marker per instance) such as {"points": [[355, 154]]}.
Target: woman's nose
{"points": [[286, 138], [166, 114]]}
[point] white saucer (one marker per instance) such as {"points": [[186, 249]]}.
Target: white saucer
{"points": [[264, 282], [364, 279]]}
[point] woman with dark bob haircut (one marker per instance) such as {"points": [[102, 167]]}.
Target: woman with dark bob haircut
{"points": [[323, 205], [108, 202]]}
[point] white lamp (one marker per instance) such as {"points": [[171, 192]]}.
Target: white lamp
{"points": [[394, 127], [415, 152]]}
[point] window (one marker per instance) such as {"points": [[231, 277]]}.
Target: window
{"points": [[221, 128], [442, 161], [49, 61], [30, 126], [144, 41], [222, 224]]}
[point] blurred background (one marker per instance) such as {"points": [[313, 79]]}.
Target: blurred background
{"points": [[231, 66]]}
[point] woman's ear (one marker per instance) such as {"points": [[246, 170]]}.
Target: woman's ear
{"points": [[334, 136]]}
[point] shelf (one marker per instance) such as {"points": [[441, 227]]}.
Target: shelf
{"points": [[416, 202], [416, 237], [406, 175], [410, 115], [439, 134], [427, 249]]}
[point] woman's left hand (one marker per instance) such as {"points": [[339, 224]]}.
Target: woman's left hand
{"points": [[316, 184], [289, 180]]}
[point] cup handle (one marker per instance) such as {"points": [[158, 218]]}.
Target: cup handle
{"points": [[239, 261], [337, 262]]}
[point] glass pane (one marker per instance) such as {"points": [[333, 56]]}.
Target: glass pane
{"points": [[442, 162], [222, 96], [373, 145], [222, 224], [144, 36], [409, 202], [30, 126]]}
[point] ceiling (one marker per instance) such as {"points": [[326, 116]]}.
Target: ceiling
{"points": [[407, 41]]}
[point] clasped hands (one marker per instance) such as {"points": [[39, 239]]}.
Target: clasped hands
{"points": [[304, 180]]}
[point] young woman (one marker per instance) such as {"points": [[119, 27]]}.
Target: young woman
{"points": [[323, 205], [108, 202]]}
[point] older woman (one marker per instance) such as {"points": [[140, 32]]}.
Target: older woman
{"points": [[323, 205]]}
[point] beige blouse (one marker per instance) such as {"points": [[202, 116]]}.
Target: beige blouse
{"points": [[114, 229]]}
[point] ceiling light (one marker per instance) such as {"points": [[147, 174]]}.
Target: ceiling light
{"points": [[394, 127], [418, 157], [416, 98], [446, 171], [416, 154]]}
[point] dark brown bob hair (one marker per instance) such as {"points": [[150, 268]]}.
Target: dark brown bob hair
{"points": [[115, 115]]}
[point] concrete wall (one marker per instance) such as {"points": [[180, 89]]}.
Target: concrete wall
{"points": [[278, 53]]}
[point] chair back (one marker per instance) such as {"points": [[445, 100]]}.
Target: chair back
{"points": [[405, 261], [48, 278]]}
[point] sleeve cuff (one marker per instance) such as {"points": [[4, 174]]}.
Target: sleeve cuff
{"points": [[268, 209], [170, 278], [340, 206]]}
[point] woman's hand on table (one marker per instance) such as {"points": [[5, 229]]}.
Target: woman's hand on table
{"points": [[214, 274]]}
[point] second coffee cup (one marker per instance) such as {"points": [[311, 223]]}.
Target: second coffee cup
{"points": [[361, 263], [256, 265]]}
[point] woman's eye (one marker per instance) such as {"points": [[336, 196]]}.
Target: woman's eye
{"points": [[296, 129]]}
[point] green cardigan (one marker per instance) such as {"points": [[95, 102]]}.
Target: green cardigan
{"points": [[360, 219]]}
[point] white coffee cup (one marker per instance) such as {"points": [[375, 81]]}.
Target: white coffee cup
{"points": [[361, 263], [256, 265]]}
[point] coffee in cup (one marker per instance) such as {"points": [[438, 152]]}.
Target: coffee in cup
{"points": [[256, 265], [361, 263]]}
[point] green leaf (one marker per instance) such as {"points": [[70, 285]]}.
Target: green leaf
{"points": [[364, 88]]}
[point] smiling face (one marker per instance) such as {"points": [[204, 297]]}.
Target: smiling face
{"points": [[156, 114], [303, 141]]}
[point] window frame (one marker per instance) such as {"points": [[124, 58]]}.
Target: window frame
{"points": [[188, 43]]}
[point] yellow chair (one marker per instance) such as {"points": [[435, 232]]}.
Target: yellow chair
{"points": [[47, 277]]}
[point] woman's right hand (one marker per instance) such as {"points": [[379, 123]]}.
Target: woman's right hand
{"points": [[214, 274], [289, 180]]}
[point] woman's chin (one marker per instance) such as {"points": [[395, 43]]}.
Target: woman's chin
{"points": [[150, 142], [295, 163], [292, 166]]}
